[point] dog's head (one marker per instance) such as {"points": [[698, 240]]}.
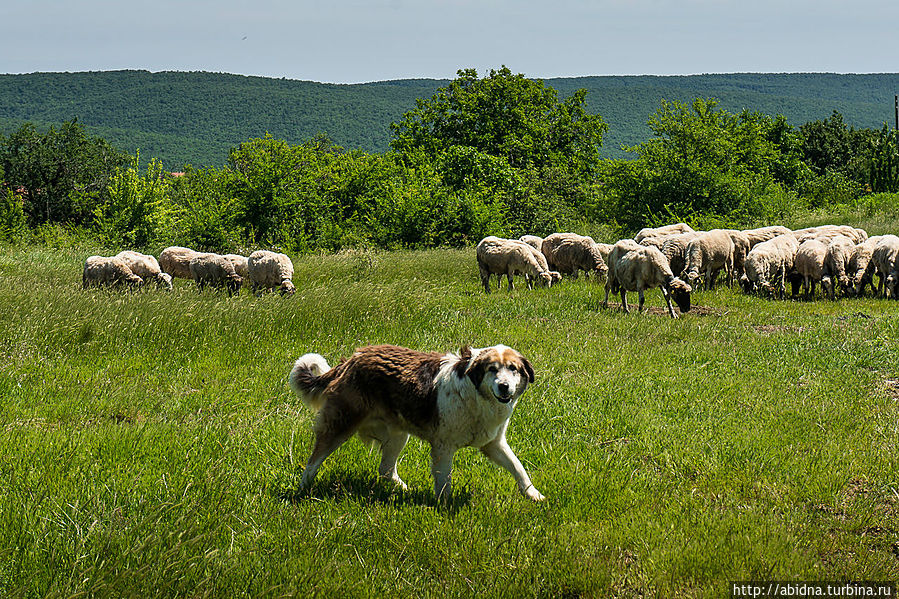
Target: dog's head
{"points": [[500, 373]]}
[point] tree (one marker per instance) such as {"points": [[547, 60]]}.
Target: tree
{"points": [[64, 173], [509, 116]]}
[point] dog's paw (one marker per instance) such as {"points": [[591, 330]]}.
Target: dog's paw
{"points": [[533, 494]]}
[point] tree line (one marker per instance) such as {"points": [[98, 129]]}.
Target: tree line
{"points": [[500, 154]]}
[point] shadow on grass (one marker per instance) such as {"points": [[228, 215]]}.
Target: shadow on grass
{"points": [[344, 484]]}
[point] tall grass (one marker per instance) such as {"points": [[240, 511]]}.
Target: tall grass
{"points": [[150, 447]]}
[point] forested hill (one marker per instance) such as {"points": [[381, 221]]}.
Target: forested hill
{"points": [[194, 118]]}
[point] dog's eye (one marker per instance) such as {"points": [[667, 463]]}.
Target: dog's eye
{"points": [[513, 368], [493, 369]]}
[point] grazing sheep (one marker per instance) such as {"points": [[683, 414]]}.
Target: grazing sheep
{"points": [[241, 264], [269, 270], [497, 256], [809, 264], [533, 241], [633, 267], [664, 231], [541, 260], [175, 260], [884, 257], [675, 250], [551, 242], [741, 248], [707, 254], [216, 271], [574, 254], [767, 265], [836, 262], [827, 232], [861, 267], [146, 267], [762, 234], [604, 250], [112, 271]]}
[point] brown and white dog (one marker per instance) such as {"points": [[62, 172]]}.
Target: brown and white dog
{"points": [[384, 393]]}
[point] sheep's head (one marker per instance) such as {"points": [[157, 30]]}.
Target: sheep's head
{"points": [[546, 278], [555, 277], [795, 280], [746, 284], [287, 287], [680, 292], [826, 284], [164, 279], [134, 280], [234, 282], [892, 286]]}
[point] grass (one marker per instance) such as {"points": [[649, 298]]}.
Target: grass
{"points": [[149, 445]]}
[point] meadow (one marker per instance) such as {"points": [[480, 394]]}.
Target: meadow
{"points": [[149, 445]]}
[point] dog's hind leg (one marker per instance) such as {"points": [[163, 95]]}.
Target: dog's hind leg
{"points": [[499, 451], [332, 429], [390, 453]]}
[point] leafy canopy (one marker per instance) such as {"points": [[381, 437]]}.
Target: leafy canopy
{"points": [[507, 116]]}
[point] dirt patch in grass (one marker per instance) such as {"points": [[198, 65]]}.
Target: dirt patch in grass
{"points": [[772, 329], [891, 386]]}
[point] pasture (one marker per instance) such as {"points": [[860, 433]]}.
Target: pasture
{"points": [[149, 445]]}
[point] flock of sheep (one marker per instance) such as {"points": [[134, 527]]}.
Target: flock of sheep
{"points": [[262, 270], [678, 259]]}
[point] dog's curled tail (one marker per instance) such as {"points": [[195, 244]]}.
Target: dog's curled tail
{"points": [[306, 379]]}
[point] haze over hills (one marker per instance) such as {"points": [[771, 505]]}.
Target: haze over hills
{"points": [[196, 117]]}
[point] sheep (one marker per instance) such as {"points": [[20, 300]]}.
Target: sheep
{"points": [[768, 263], [675, 250], [836, 261], [810, 264], [551, 242], [762, 234], [574, 254], [214, 270], [508, 257], [146, 267], [741, 248], [533, 241], [269, 270], [111, 271], [241, 264], [707, 254], [175, 260], [884, 257], [541, 260], [861, 267], [827, 232], [604, 250], [633, 267], [664, 231]]}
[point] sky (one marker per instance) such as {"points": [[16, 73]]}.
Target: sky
{"points": [[354, 41]]}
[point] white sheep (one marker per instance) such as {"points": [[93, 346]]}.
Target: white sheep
{"points": [[675, 250], [146, 267], [175, 260], [574, 254], [111, 271], [768, 263], [533, 241], [809, 264], [634, 267], [761, 234], [216, 271], [497, 256], [544, 265], [707, 254], [664, 231], [884, 257], [270, 270], [551, 242], [826, 232], [741, 248], [861, 267], [836, 264]]}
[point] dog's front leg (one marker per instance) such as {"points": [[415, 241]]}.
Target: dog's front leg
{"points": [[441, 470], [499, 451]]}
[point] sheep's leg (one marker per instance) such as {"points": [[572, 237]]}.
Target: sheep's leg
{"points": [[509, 276], [605, 302], [624, 301], [485, 280], [667, 297], [642, 300]]}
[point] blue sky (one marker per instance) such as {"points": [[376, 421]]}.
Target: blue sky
{"points": [[350, 41]]}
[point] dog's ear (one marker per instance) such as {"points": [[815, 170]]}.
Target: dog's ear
{"points": [[528, 369], [477, 368], [461, 367]]}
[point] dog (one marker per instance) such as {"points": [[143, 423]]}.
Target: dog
{"points": [[384, 393]]}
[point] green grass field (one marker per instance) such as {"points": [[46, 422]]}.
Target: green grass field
{"points": [[149, 445]]}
